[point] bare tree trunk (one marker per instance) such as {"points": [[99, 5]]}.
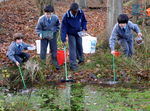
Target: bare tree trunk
{"points": [[114, 9], [42, 3], [82, 3], [101, 1]]}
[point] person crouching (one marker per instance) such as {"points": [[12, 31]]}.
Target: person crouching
{"points": [[15, 50]]}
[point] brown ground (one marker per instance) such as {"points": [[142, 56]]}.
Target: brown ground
{"points": [[22, 16]]}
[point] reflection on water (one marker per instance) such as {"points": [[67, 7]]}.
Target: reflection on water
{"points": [[64, 97], [70, 97], [79, 97]]}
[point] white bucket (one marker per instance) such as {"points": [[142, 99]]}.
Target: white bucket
{"points": [[89, 44], [38, 47]]}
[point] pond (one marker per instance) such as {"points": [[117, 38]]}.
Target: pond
{"points": [[77, 97]]}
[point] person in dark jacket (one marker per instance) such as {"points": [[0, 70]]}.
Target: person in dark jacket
{"points": [[122, 32], [47, 28], [15, 50], [73, 22]]}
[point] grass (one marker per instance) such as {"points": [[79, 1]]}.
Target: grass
{"points": [[77, 97], [135, 69], [130, 68]]}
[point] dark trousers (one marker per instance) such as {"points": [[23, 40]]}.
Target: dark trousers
{"points": [[22, 57], [127, 46], [53, 49], [75, 49]]}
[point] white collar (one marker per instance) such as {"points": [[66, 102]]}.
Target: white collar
{"points": [[47, 17], [73, 16]]}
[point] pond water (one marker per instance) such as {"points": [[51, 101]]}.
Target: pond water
{"points": [[78, 97]]}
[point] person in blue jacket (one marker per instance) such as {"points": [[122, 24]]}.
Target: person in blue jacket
{"points": [[15, 50], [47, 28], [122, 32], [73, 22]]}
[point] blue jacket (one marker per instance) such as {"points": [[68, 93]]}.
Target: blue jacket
{"points": [[117, 33], [44, 25], [14, 50], [71, 25]]}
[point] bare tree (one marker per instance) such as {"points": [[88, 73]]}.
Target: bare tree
{"points": [[114, 9], [42, 3], [101, 1], [82, 3]]}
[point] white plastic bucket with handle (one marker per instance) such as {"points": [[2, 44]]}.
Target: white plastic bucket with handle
{"points": [[38, 47], [89, 44]]}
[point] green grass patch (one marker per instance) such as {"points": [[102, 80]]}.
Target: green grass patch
{"points": [[78, 97]]}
